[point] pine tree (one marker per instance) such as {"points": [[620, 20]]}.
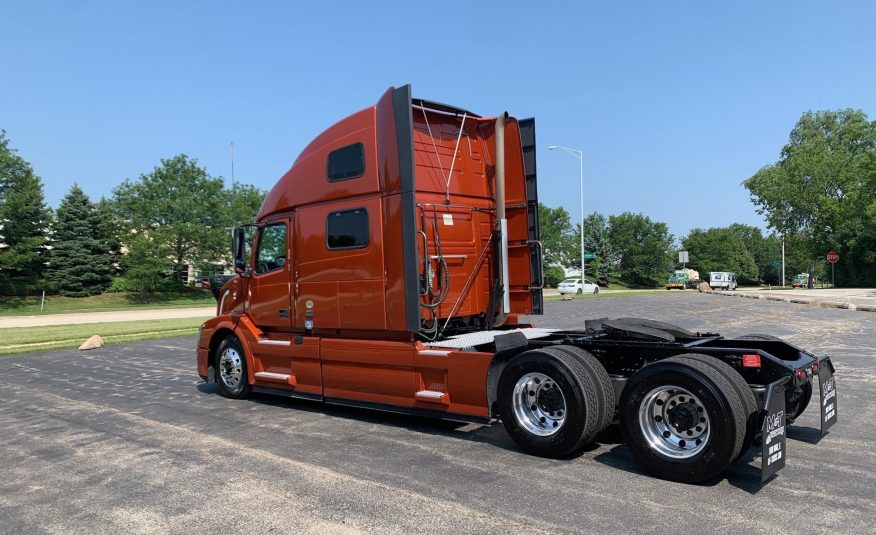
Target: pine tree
{"points": [[24, 218], [110, 232], [81, 261]]}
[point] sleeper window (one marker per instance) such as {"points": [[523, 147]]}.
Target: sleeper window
{"points": [[346, 162], [347, 229]]}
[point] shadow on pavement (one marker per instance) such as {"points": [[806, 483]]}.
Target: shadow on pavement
{"points": [[494, 434], [809, 435]]}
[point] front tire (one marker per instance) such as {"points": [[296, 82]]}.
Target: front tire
{"points": [[682, 421], [231, 371], [548, 405], [595, 290], [580, 291]]}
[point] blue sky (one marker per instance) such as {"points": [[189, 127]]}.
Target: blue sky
{"points": [[673, 103]]}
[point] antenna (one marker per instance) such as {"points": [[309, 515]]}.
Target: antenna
{"points": [[232, 164]]}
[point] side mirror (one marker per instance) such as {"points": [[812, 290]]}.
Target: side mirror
{"points": [[238, 249]]}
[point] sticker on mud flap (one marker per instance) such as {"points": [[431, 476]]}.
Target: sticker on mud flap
{"points": [[448, 219], [309, 304], [827, 385], [774, 424]]}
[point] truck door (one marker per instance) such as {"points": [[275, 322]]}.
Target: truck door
{"points": [[270, 286]]}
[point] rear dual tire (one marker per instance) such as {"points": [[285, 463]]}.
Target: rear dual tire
{"points": [[682, 420], [746, 396], [553, 401]]}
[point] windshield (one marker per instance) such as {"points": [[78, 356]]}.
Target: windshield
{"points": [[569, 281]]}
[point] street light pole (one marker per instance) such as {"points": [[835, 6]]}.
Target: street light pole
{"points": [[580, 155], [783, 260]]}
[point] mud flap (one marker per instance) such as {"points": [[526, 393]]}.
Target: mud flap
{"points": [[774, 424], [827, 386]]}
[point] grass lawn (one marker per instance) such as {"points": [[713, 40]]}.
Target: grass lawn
{"points": [[56, 304], [20, 340]]}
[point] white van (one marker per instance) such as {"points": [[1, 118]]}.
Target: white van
{"points": [[724, 280]]}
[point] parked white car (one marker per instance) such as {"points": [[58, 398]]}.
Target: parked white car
{"points": [[577, 286]]}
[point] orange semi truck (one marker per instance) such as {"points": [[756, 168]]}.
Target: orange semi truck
{"points": [[390, 268]]}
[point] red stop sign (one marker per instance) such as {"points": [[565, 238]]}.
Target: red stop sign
{"points": [[833, 257]]}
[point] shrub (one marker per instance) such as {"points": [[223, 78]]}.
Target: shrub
{"points": [[553, 275], [158, 283]]}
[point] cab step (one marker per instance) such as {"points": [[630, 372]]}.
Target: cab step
{"points": [[433, 396], [273, 377]]}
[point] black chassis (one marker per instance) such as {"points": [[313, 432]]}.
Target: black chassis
{"points": [[622, 358], [781, 380]]}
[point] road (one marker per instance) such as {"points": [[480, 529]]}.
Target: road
{"points": [[862, 298], [75, 318], [127, 439]]}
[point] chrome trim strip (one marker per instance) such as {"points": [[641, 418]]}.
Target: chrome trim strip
{"points": [[275, 342], [272, 376], [431, 394], [222, 302]]}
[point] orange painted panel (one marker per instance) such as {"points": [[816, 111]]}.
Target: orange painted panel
{"points": [[300, 360], [361, 304], [346, 286], [324, 297], [307, 183], [373, 371]]}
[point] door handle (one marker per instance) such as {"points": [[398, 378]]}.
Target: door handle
{"points": [[283, 313]]}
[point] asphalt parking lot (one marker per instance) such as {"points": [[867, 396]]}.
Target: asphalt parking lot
{"points": [[127, 439]]}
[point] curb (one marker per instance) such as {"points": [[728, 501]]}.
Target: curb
{"points": [[798, 300]]}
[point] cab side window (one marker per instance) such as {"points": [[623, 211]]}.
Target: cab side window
{"points": [[272, 249]]}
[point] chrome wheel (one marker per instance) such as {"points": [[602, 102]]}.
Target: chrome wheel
{"points": [[674, 422], [539, 405], [230, 368]]}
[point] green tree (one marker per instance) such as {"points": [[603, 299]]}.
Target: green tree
{"points": [[24, 220], [642, 246], [242, 204], [558, 239], [824, 187], [181, 213], [110, 231], [147, 265], [597, 241], [720, 249], [553, 275], [80, 261]]}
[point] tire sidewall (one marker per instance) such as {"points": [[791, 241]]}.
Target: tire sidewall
{"points": [[718, 453], [244, 388], [569, 435]]}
